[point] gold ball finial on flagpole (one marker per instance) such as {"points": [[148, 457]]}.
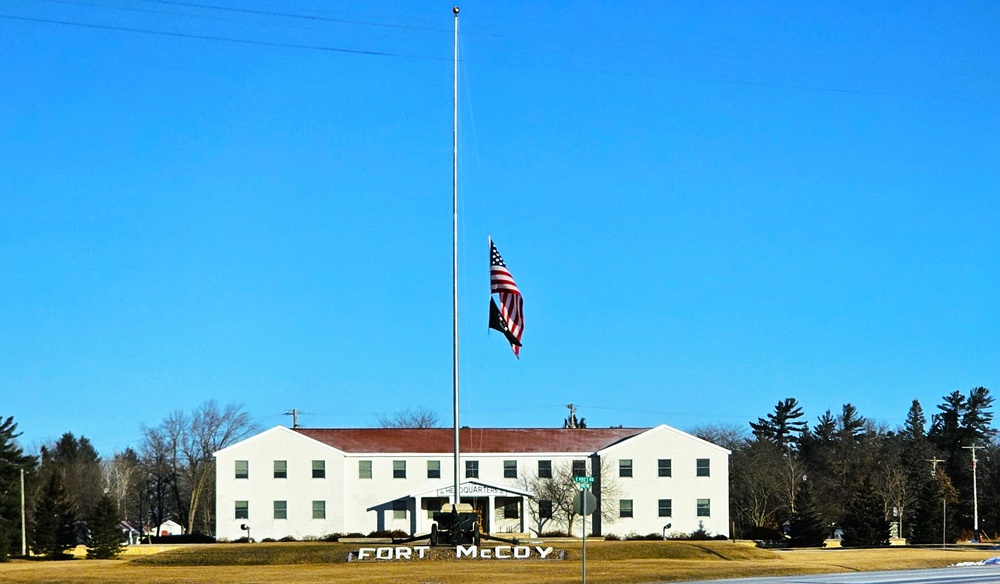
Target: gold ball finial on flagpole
{"points": [[455, 10]]}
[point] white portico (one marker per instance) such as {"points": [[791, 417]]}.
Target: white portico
{"points": [[502, 507]]}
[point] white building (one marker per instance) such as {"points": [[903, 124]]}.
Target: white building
{"points": [[169, 527], [308, 482]]}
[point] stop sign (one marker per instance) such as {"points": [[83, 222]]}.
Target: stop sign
{"points": [[585, 503]]}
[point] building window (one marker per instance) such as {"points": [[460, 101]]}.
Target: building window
{"points": [[663, 468], [433, 469], [544, 509], [703, 467], [579, 468], [281, 509], [319, 469], [625, 507], [242, 469], [666, 507], [704, 507], [242, 510], [399, 469], [545, 469], [511, 507], [364, 469], [399, 509], [472, 469], [510, 469], [281, 469], [625, 467], [319, 509]]}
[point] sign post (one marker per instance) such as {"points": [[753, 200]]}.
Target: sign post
{"points": [[584, 503]]}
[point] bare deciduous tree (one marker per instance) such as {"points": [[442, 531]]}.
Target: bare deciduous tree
{"points": [[559, 492], [210, 430], [183, 446], [420, 417], [730, 436], [121, 477], [757, 485]]}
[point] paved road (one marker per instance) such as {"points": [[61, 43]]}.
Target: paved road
{"points": [[964, 575]]}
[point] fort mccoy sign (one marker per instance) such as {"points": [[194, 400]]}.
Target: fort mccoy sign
{"points": [[460, 552]]}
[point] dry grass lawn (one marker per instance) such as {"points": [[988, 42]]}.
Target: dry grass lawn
{"points": [[607, 562]]}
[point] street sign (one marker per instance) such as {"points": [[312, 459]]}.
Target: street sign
{"points": [[585, 503]]}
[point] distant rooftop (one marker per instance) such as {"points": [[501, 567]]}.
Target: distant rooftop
{"points": [[471, 440]]}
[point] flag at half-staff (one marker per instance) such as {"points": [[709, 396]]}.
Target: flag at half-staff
{"points": [[507, 316]]}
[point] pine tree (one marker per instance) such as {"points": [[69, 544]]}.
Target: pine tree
{"points": [[928, 521], [79, 467], [916, 455], [12, 461], [946, 427], [977, 419], [783, 427], [851, 425], [55, 521], [808, 529], [105, 539], [818, 450], [989, 489], [864, 522], [962, 422]]}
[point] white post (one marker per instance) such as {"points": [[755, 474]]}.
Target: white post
{"points": [[524, 512], [583, 525], [24, 530], [944, 523], [418, 515], [975, 495], [491, 513]]}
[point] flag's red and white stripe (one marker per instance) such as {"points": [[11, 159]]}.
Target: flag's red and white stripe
{"points": [[511, 302]]}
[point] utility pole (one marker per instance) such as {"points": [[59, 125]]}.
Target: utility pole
{"points": [[944, 504], [571, 421], [24, 530], [944, 522], [975, 494], [294, 413]]}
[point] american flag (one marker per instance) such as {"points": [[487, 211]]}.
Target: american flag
{"points": [[511, 303]]}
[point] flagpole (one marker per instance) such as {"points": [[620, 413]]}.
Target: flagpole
{"points": [[454, 253]]}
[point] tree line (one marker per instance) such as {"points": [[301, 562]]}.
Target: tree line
{"points": [[789, 479], [848, 475], [74, 496]]}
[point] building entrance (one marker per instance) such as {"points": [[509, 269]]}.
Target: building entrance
{"points": [[482, 507]]}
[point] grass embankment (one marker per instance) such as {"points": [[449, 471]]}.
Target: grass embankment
{"points": [[327, 553], [259, 554], [607, 563]]}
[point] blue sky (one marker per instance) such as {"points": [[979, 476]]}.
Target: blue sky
{"points": [[708, 207]]}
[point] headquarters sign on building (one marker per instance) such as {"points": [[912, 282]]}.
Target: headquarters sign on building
{"points": [[307, 482]]}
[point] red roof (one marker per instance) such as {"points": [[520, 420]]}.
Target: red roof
{"points": [[471, 440]]}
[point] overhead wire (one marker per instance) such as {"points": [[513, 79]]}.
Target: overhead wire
{"points": [[80, 3], [589, 40], [290, 15], [216, 38]]}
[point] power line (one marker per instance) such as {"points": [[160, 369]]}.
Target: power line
{"points": [[708, 79], [291, 15], [214, 38], [78, 3]]}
